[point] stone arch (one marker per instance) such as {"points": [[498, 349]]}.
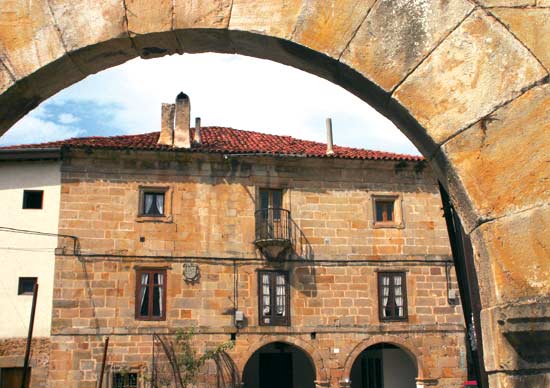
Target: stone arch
{"points": [[467, 83], [313, 355], [400, 342]]}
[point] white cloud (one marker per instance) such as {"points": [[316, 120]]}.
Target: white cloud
{"points": [[67, 118], [236, 91], [36, 130]]}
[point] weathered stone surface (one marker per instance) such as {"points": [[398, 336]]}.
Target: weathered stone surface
{"points": [[503, 160], [531, 26], [397, 35], [270, 17], [507, 3], [6, 79], [504, 380], [201, 14], [28, 37], [543, 3], [516, 335], [102, 22], [149, 16], [328, 26], [517, 250], [479, 66], [150, 27]]}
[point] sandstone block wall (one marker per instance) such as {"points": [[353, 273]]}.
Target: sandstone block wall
{"points": [[337, 253]]}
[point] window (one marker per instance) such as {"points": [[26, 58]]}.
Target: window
{"points": [[387, 211], [384, 211], [26, 286], [124, 380], [152, 203], [271, 199], [274, 298], [32, 199], [392, 296], [151, 294]]}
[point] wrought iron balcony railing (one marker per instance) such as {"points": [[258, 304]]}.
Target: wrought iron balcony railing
{"points": [[273, 231]]}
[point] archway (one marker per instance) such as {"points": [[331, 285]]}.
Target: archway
{"points": [[279, 365], [384, 365], [467, 83]]}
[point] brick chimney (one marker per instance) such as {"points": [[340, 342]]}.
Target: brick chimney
{"points": [[182, 133], [167, 124]]}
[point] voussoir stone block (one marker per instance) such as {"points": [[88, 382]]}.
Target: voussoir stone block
{"points": [[28, 37], [516, 250], [507, 3], [477, 68], [269, 17], [201, 14], [146, 16], [87, 23], [531, 26], [150, 27], [397, 35], [502, 160], [328, 27]]}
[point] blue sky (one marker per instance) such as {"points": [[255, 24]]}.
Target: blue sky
{"points": [[225, 90]]}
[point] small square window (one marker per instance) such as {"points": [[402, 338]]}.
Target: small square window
{"points": [[26, 286], [274, 298], [392, 296], [32, 199], [387, 211], [151, 294], [124, 380], [153, 203]]}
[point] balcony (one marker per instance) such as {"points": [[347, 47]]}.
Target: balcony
{"points": [[273, 232]]}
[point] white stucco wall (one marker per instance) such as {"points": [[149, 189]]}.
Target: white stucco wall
{"points": [[25, 255]]}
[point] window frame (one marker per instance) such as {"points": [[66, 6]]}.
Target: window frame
{"points": [[397, 221], [151, 272], [25, 199], [20, 288], [274, 320], [143, 190], [403, 275], [120, 372]]}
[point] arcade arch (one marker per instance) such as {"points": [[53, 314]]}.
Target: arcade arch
{"points": [[466, 82]]}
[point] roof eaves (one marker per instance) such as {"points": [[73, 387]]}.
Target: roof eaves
{"points": [[31, 154]]}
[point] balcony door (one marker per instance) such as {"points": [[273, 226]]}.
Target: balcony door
{"points": [[271, 202]]}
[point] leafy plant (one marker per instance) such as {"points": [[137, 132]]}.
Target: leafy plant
{"points": [[184, 364]]}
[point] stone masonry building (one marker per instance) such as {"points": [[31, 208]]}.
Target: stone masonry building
{"points": [[326, 266]]}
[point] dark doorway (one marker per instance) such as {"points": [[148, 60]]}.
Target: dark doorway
{"points": [[276, 370], [279, 365], [383, 366]]}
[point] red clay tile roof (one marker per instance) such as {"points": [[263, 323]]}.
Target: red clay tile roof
{"points": [[225, 141]]}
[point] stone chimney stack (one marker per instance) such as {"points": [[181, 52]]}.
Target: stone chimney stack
{"points": [[182, 133], [330, 151], [198, 130], [167, 124]]}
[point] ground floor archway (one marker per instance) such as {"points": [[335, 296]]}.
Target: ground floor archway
{"points": [[279, 365], [384, 365]]}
